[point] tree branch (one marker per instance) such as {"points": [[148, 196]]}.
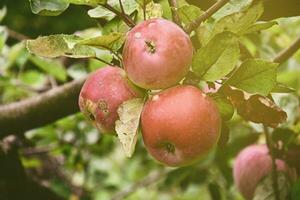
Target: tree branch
{"points": [[173, 6], [288, 52], [123, 16], [40, 110], [274, 167], [213, 9]]}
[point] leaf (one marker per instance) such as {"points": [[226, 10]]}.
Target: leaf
{"points": [[87, 2], [188, 13], [48, 7], [225, 107], [112, 41], [217, 58], [255, 76], [281, 88], [59, 45], [265, 191], [127, 126], [258, 27], [3, 12], [153, 10], [240, 21], [129, 7], [102, 13], [143, 2], [255, 108], [232, 6], [295, 193], [52, 67]]}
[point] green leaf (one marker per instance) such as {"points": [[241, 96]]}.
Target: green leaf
{"points": [[59, 45], [102, 13], [52, 67], [3, 36], [295, 193], [255, 76], [225, 107], [87, 2], [153, 10], [188, 13], [232, 6], [2, 13], [240, 21], [217, 58], [143, 2], [48, 7], [33, 78], [259, 26], [112, 41], [129, 7], [265, 191], [281, 88], [127, 126]]}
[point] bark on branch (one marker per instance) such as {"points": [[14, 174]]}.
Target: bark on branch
{"points": [[213, 9], [15, 118]]}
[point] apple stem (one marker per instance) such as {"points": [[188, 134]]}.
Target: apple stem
{"points": [[274, 167]]}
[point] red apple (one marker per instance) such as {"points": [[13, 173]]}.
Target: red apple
{"points": [[180, 125], [251, 165], [157, 54], [101, 95]]}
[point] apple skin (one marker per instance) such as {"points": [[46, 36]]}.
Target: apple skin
{"points": [[251, 165], [166, 63], [180, 125], [101, 95]]}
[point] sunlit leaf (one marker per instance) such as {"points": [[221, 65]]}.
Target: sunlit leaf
{"points": [[255, 76], [188, 13], [59, 45], [217, 58]]}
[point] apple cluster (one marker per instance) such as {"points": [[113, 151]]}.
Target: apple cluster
{"points": [[180, 124]]}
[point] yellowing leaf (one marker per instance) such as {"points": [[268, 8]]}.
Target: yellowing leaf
{"points": [[127, 126]]}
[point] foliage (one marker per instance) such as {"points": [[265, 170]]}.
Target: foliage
{"points": [[233, 49]]}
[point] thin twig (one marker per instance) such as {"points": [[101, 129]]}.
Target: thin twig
{"points": [[121, 6], [16, 35], [123, 16], [288, 52], [175, 17], [274, 168], [213, 9], [148, 180]]}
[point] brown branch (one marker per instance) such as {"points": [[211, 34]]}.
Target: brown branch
{"points": [[173, 6], [148, 180], [123, 16], [213, 9], [16, 35], [288, 52], [40, 110], [274, 167]]}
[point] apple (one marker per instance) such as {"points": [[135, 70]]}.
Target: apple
{"points": [[180, 125], [251, 165], [157, 54], [101, 95]]}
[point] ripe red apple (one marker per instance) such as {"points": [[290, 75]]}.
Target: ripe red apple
{"points": [[251, 165], [180, 125], [157, 54], [101, 95]]}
